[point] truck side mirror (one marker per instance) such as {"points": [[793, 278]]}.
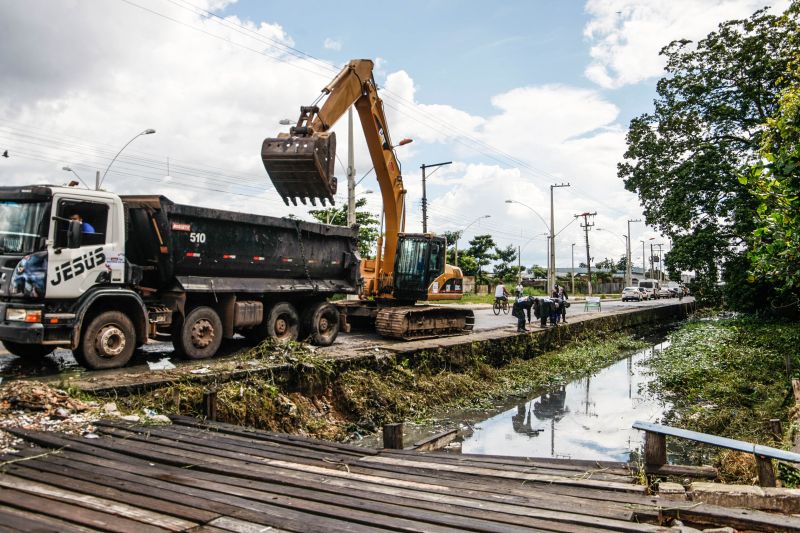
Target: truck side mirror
{"points": [[74, 234]]}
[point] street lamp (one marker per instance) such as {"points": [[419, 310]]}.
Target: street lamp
{"points": [[462, 231], [148, 131], [68, 169], [424, 192], [549, 229]]}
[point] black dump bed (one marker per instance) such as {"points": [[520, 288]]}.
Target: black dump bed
{"points": [[201, 249]]}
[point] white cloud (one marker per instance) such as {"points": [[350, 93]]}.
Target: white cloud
{"points": [[78, 83], [627, 35], [332, 44]]}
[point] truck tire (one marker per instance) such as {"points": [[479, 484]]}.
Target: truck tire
{"points": [[282, 322], [29, 351], [107, 342], [199, 335], [320, 324]]}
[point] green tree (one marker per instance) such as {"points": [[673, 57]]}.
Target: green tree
{"points": [[505, 268], [775, 251], [451, 237], [468, 264], [480, 248], [606, 264], [537, 271], [367, 224], [684, 158]]}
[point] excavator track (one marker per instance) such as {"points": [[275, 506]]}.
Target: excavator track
{"points": [[423, 321]]}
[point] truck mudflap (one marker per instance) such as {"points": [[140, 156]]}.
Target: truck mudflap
{"points": [[423, 321], [302, 166]]}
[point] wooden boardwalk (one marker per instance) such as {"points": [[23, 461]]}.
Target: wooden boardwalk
{"points": [[216, 477]]}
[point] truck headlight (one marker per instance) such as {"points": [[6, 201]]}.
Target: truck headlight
{"points": [[24, 315]]}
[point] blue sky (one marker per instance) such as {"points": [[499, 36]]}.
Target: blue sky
{"points": [[519, 95]]}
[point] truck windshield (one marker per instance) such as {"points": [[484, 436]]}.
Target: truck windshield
{"points": [[22, 226]]}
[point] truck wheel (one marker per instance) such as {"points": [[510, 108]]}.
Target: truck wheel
{"points": [[282, 322], [107, 342], [199, 335], [320, 324], [32, 351]]}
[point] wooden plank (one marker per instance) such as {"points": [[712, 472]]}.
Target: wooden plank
{"points": [[303, 442], [90, 483], [436, 442], [713, 515], [521, 476], [225, 523], [705, 472], [215, 502], [117, 509], [74, 514], [24, 521], [374, 490]]}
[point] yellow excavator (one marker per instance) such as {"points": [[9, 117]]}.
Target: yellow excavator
{"points": [[407, 266]]}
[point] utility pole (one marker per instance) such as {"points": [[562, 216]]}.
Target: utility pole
{"points": [[644, 255], [586, 225], [652, 268], [551, 279], [425, 193], [628, 265], [351, 171]]}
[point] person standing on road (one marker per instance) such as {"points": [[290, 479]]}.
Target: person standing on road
{"points": [[519, 288], [563, 296], [521, 305]]}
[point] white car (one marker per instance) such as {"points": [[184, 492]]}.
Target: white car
{"points": [[663, 292], [631, 293]]}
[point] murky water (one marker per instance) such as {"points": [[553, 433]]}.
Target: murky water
{"points": [[590, 418]]}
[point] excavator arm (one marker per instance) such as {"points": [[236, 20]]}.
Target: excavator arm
{"points": [[301, 163]]}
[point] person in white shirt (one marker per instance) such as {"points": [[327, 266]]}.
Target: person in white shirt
{"points": [[500, 292]]}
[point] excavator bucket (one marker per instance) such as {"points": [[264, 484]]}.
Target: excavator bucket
{"points": [[302, 166]]}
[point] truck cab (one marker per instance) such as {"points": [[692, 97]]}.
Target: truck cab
{"points": [[57, 246]]}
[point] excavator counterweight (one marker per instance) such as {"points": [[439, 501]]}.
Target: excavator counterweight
{"points": [[301, 166]]}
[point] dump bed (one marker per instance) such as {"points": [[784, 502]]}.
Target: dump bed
{"points": [[223, 251]]}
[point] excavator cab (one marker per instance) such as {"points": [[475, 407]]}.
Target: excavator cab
{"points": [[301, 163], [419, 261]]}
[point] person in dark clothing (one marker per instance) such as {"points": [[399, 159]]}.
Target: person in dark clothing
{"points": [[563, 296], [555, 311], [545, 306], [521, 305]]}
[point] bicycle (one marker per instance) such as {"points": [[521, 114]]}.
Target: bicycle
{"points": [[500, 305]]}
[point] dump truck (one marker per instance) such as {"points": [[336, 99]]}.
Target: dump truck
{"points": [[100, 274]]}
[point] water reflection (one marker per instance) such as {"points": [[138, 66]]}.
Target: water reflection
{"points": [[589, 418]]}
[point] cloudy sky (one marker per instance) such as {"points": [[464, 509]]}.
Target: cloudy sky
{"points": [[519, 95]]}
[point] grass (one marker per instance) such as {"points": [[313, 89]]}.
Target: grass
{"points": [[728, 377]]}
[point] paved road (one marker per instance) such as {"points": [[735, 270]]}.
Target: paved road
{"points": [[485, 319]]}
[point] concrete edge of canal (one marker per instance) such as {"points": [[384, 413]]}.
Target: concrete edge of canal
{"points": [[497, 345]]}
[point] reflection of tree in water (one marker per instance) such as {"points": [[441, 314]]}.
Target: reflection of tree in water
{"points": [[551, 405], [522, 421]]}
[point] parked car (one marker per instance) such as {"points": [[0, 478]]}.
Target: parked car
{"points": [[651, 288], [632, 294]]}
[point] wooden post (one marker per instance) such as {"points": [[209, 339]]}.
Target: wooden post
{"points": [[655, 448], [766, 474], [393, 436], [210, 404], [777, 428]]}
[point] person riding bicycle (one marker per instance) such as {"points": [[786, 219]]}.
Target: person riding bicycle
{"points": [[500, 293]]}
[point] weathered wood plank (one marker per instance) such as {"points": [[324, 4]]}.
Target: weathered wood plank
{"points": [[73, 513], [24, 521], [225, 523], [169, 523], [463, 469], [706, 472]]}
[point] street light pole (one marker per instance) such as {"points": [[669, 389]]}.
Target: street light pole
{"points": [[69, 169], [351, 171], [644, 266], [99, 180], [425, 194], [572, 274], [628, 266], [462, 231], [551, 280]]}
